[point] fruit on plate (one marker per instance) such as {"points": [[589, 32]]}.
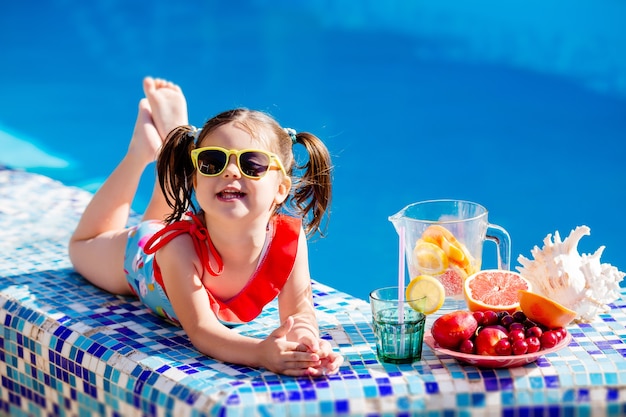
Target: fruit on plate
{"points": [[450, 329], [544, 310], [494, 290], [495, 334], [487, 339], [425, 293]]}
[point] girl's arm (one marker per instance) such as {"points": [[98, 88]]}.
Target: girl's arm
{"points": [[181, 271], [296, 300]]}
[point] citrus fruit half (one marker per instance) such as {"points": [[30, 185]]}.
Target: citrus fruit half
{"points": [[425, 294], [545, 311], [495, 290], [429, 258]]}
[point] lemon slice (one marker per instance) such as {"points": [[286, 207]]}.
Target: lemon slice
{"points": [[429, 258], [425, 294]]}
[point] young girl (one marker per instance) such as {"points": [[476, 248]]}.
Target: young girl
{"points": [[214, 246]]}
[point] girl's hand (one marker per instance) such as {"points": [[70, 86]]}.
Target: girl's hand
{"points": [[282, 356], [330, 360]]}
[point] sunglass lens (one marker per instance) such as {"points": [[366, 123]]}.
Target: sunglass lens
{"points": [[254, 164], [211, 162]]}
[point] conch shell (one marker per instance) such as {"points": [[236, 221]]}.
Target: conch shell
{"points": [[578, 282]]}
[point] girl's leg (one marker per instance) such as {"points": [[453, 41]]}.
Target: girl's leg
{"points": [[98, 244], [169, 110], [99, 241]]}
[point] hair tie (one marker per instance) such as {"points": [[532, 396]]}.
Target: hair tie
{"points": [[292, 134], [194, 132]]}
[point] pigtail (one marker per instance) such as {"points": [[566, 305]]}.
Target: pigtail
{"points": [[312, 192], [175, 171]]}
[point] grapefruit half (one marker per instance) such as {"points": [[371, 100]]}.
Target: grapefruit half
{"points": [[495, 290]]}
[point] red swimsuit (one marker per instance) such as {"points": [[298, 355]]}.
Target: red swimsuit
{"points": [[274, 267]]}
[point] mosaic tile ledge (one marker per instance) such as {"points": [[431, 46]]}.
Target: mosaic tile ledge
{"points": [[67, 348]]}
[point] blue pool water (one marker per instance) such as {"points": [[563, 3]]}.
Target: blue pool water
{"points": [[521, 108]]}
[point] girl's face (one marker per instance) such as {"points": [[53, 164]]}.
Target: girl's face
{"points": [[230, 195]]}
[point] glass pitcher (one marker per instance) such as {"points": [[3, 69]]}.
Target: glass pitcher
{"points": [[444, 239]]}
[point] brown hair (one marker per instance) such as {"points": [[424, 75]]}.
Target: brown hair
{"points": [[311, 191]]}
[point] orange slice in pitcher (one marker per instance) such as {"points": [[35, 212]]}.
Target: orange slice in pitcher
{"points": [[443, 238], [429, 258]]}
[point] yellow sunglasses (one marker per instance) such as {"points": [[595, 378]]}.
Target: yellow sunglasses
{"points": [[211, 161]]}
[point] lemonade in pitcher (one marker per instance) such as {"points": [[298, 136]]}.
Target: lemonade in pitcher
{"points": [[440, 254]]}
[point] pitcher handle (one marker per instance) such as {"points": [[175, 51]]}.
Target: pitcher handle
{"points": [[501, 238]]}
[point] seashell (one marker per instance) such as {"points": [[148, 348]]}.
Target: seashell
{"points": [[578, 282]]}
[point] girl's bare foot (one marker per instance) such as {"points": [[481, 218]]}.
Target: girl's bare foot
{"points": [[167, 103], [146, 141]]}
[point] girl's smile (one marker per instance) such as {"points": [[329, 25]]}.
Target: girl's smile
{"points": [[230, 194]]}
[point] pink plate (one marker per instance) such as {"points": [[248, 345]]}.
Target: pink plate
{"points": [[494, 361]]}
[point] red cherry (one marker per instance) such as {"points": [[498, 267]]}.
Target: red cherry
{"points": [[516, 326], [467, 346], [529, 323], [519, 316], [534, 344], [503, 347], [534, 331], [549, 339], [520, 347], [561, 333], [507, 320], [490, 318], [480, 317], [515, 335]]}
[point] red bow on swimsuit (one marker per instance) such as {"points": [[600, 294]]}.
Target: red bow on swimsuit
{"points": [[199, 235]]}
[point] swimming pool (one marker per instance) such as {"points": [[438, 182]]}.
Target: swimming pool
{"points": [[522, 109]]}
